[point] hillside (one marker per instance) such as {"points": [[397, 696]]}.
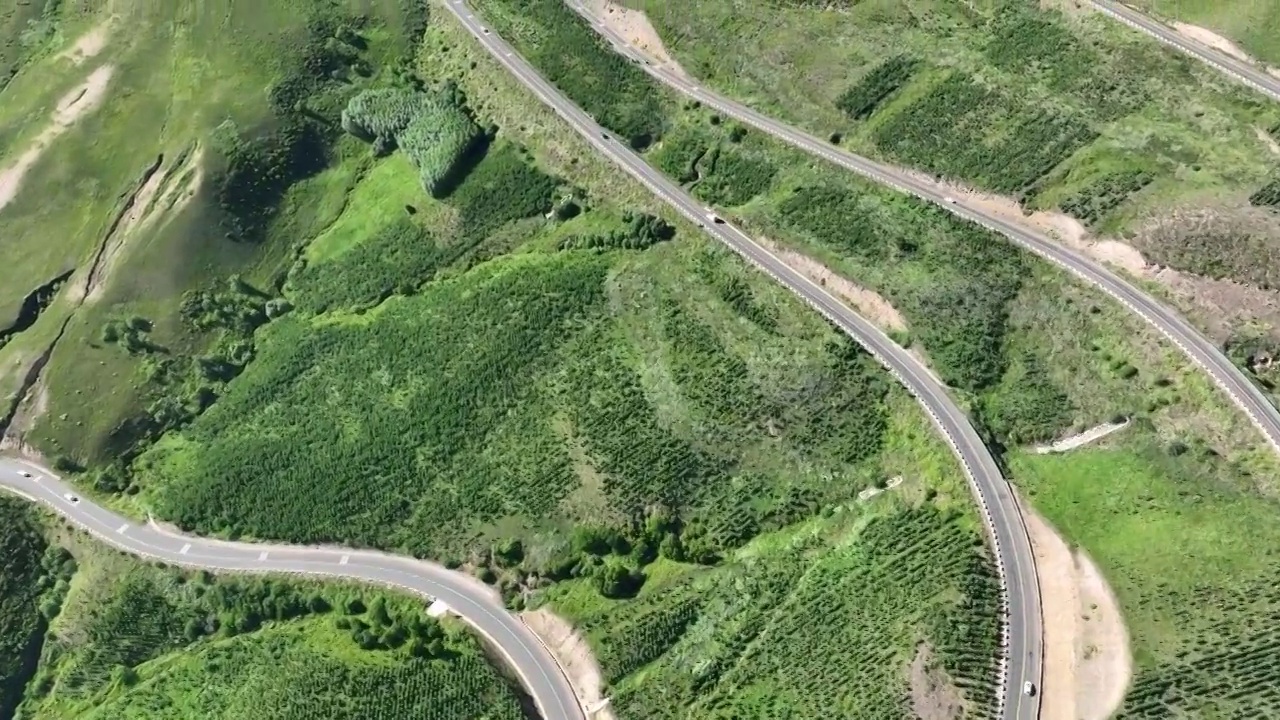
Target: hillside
{"points": [[370, 292], [1041, 356], [127, 639], [1048, 113], [1159, 505]]}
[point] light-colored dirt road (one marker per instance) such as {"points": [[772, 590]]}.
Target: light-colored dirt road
{"points": [[1087, 660], [71, 107], [574, 655], [868, 303]]}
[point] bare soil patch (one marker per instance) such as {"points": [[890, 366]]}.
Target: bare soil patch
{"points": [[71, 107], [933, 695], [1215, 305], [144, 209], [868, 303], [1087, 661], [1093, 434], [1265, 138], [88, 45], [1208, 37], [633, 27], [574, 655]]}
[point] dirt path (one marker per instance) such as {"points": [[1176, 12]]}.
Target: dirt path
{"points": [[1087, 661], [1208, 37], [868, 303], [634, 27], [574, 655], [70, 108], [1081, 439], [88, 45]]}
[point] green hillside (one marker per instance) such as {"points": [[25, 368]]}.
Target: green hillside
{"points": [[323, 283]]}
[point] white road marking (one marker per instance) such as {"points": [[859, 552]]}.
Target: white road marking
{"points": [[262, 555], [122, 528], [184, 549], [345, 559]]}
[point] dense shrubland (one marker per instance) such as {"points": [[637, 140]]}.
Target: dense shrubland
{"points": [[33, 580], [570, 54], [885, 79], [696, 646], [163, 643], [432, 128]]}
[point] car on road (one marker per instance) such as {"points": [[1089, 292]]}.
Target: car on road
{"points": [[714, 217], [24, 473], [71, 498], [949, 200], [1028, 688]]}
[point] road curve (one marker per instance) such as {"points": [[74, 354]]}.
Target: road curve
{"points": [[1199, 349], [473, 601], [1022, 637], [1248, 73]]}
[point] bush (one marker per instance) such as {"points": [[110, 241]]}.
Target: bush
{"points": [[947, 132], [639, 232], [885, 79], [433, 131], [564, 48]]}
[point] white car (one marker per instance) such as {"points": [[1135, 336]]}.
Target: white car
{"points": [[949, 200], [71, 498], [1029, 688], [24, 473]]}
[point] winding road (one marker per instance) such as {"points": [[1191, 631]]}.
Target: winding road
{"points": [[1022, 632], [1199, 349], [470, 599], [1248, 73]]}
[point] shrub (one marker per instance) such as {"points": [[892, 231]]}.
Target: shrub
{"points": [[430, 127], [876, 86]]}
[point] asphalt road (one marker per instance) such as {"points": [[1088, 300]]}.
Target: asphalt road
{"points": [[1247, 73], [474, 602], [1023, 637], [1231, 379]]}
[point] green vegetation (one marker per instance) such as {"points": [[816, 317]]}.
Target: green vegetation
{"points": [[28, 597], [524, 370], [225, 145], [885, 79], [743, 640], [948, 131], [1255, 26], [1072, 112], [570, 54], [134, 640], [433, 129], [1182, 537], [406, 247]]}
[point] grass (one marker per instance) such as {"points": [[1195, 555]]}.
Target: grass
{"points": [[739, 640], [534, 412], [24, 589], [613, 90], [1184, 544], [1055, 109], [1254, 26], [175, 92], [135, 640]]}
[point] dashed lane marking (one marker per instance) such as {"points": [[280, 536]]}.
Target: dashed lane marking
{"points": [[345, 559], [122, 528], [184, 549], [262, 555]]}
